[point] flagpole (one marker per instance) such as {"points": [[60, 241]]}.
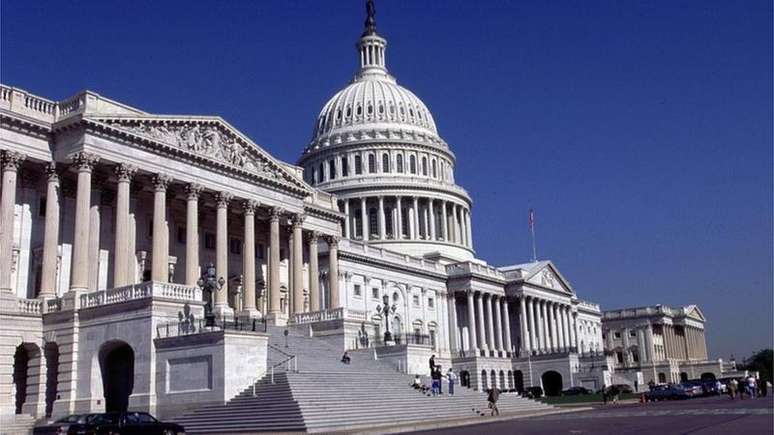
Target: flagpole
{"points": [[532, 230]]}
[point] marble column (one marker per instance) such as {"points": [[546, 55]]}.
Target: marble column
{"points": [[192, 272], [10, 161], [382, 221], [526, 344], [274, 262], [452, 307], [498, 312], [431, 212], [493, 345], [399, 212], [574, 329], [159, 260], [456, 226], [560, 346], [314, 273], [221, 307], [541, 318], [483, 344], [469, 228], [249, 308], [641, 345], [50, 234], [95, 221], [444, 222], [534, 345], [298, 263], [554, 338], [333, 271], [364, 219], [347, 219], [121, 273], [415, 208], [506, 324], [79, 276], [566, 326], [472, 337]]}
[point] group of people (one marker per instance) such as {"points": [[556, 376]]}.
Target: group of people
{"points": [[747, 387]]}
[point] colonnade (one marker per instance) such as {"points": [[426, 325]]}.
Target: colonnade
{"points": [[690, 345], [406, 218], [547, 326], [123, 265]]}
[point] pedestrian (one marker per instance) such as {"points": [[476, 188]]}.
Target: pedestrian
{"points": [[751, 387], [651, 385], [732, 384], [452, 377], [440, 379], [636, 386], [492, 397], [432, 363], [345, 358], [436, 377], [604, 396]]}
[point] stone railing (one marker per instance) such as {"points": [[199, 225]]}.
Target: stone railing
{"points": [[386, 254], [143, 290], [473, 267], [12, 304], [641, 311], [367, 180], [323, 315], [589, 306]]}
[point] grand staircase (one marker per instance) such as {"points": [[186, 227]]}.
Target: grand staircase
{"points": [[18, 424], [318, 393]]}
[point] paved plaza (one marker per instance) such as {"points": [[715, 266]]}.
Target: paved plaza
{"points": [[713, 415]]}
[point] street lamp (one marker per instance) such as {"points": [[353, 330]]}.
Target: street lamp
{"points": [[386, 309], [209, 283]]}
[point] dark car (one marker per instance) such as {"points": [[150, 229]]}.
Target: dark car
{"points": [[72, 425], [534, 392], [130, 423], [693, 389], [666, 392], [623, 388], [576, 391]]}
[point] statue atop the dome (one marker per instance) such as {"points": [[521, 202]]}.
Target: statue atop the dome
{"points": [[370, 22]]}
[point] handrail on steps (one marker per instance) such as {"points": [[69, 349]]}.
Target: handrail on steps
{"points": [[291, 364]]}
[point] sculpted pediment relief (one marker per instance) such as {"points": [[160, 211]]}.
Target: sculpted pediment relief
{"points": [[209, 138], [693, 312], [546, 277]]}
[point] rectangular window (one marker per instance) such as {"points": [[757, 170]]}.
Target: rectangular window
{"points": [[617, 334], [209, 241], [180, 234], [235, 246], [416, 300], [632, 333], [432, 338], [635, 357], [430, 302], [344, 167], [356, 290], [375, 293], [619, 356]]}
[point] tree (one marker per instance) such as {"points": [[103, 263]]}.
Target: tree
{"points": [[762, 362]]}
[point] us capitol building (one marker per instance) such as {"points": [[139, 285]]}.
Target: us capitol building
{"points": [[115, 225]]}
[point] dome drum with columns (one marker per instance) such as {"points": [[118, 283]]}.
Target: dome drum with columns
{"points": [[376, 146]]}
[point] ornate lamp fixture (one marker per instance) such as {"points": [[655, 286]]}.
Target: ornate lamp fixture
{"points": [[209, 283], [386, 309]]}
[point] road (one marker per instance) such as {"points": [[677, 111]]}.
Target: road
{"points": [[712, 415]]}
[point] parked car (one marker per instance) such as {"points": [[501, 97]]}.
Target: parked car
{"points": [[70, 425], [623, 388], [666, 392], [693, 389], [534, 392], [576, 391], [132, 422]]}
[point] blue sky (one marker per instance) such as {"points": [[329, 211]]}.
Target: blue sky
{"points": [[640, 131]]}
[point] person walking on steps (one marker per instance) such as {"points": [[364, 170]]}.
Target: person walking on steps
{"points": [[452, 377], [492, 397], [435, 375], [432, 363]]}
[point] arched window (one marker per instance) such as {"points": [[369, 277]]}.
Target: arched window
{"points": [[399, 163], [357, 224], [413, 164], [332, 169], [358, 165], [435, 170], [322, 174], [385, 163], [344, 167], [373, 224], [371, 164], [424, 166]]}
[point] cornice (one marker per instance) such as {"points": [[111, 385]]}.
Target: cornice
{"points": [[378, 143], [25, 124], [364, 259]]}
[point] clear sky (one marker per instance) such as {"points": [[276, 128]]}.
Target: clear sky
{"points": [[640, 131]]}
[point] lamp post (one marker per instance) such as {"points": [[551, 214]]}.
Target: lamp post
{"points": [[209, 283], [386, 309]]}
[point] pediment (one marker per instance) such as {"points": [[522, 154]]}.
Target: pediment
{"points": [[549, 277], [693, 312], [211, 138]]}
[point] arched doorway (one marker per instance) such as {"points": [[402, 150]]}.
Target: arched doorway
{"points": [[51, 353], [465, 378], [116, 360], [552, 383], [683, 377], [707, 376], [518, 379], [493, 377], [510, 380], [21, 360], [662, 378], [503, 385], [484, 383]]}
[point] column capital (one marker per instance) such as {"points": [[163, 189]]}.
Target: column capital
{"points": [[312, 236], [11, 160], [249, 206], [275, 213], [223, 198], [125, 172], [193, 190], [298, 219], [51, 173], [161, 182], [333, 241], [84, 161]]}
